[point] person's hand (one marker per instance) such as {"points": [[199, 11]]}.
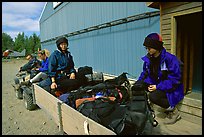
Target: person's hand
{"points": [[72, 76], [53, 85], [152, 88]]}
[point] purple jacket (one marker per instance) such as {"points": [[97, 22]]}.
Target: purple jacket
{"points": [[171, 85]]}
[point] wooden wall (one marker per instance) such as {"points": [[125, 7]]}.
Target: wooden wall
{"points": [[168, 10]]}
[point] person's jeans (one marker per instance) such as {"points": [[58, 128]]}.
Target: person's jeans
{"points": [[45, 84]]}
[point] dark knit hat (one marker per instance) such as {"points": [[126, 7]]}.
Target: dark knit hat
{"points": [[154, 41], [61, 40]]}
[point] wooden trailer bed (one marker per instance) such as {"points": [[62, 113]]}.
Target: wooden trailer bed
{"points": [[67, 118]]}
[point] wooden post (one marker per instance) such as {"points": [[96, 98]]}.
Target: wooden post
{"points": [[60, 117]]}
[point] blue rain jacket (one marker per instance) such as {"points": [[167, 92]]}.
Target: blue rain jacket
{"points": [[172, 85], [59, 61]]}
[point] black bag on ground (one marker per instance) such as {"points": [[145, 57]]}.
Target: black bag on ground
{"points": [[85, 70], [114, 85], [97, 109], [82, 71], [117, 81], [120, 93], [88, 77], [135, 117]]}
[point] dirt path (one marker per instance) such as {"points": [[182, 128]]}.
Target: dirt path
{"points": [[16, 119]]}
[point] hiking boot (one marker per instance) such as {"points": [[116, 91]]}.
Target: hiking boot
{"points": [[27, 83], [172, 116]]}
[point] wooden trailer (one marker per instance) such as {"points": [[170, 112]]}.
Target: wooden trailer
{"points": [[67, 118]]}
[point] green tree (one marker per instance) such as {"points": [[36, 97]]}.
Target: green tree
{"points": [[19, 42], [36, 42], [7, 42], [27, 47], [31, 44]]}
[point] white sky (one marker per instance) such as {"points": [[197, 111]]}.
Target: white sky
{"points": [[18, 17]]}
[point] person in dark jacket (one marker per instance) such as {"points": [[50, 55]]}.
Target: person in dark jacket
{"points": [[161, 76], [61, 69], [32, 62]]}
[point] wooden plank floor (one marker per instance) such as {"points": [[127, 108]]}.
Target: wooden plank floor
{"points": [[181, 127]]}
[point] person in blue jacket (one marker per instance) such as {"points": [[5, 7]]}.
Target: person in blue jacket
{"points": [[41, 69], [161, 76], [61, 69]]}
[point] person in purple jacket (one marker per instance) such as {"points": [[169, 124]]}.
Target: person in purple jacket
{"points": [[162, 77], [42, 69]]}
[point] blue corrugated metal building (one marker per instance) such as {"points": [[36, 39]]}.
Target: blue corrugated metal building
{"points": [[105, 35]]}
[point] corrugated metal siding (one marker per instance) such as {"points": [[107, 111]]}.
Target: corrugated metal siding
{"points": [[115, 49], [111, 50], [72, 16]]}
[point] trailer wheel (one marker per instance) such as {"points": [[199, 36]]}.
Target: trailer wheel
{"points": [[19, 93], [28, 100]]}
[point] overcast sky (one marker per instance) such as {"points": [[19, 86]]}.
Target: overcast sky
{"points": [[18, 17]]}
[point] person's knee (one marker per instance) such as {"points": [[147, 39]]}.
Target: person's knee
{"points": [[44, 83]]}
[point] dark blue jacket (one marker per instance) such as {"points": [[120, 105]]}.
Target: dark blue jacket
{"points": [[31, 64], [172, 84], [44, 65], [59, 61]]}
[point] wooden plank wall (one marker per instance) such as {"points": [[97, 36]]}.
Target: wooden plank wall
{"points": [[73, 123], [168, 9]]}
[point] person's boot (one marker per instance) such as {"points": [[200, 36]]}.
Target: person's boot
{"points": [[172, 116]]}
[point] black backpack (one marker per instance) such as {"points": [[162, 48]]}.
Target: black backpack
{"points": [[113, 86], [99, 108], [136, 116]]}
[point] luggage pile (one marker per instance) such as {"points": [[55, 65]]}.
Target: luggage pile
{"points": [[108, 102], [113, 103]]}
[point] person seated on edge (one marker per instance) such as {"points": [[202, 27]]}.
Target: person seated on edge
{"points": [[61, 71], [32, 62], [40, 69], [161, 77]]}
